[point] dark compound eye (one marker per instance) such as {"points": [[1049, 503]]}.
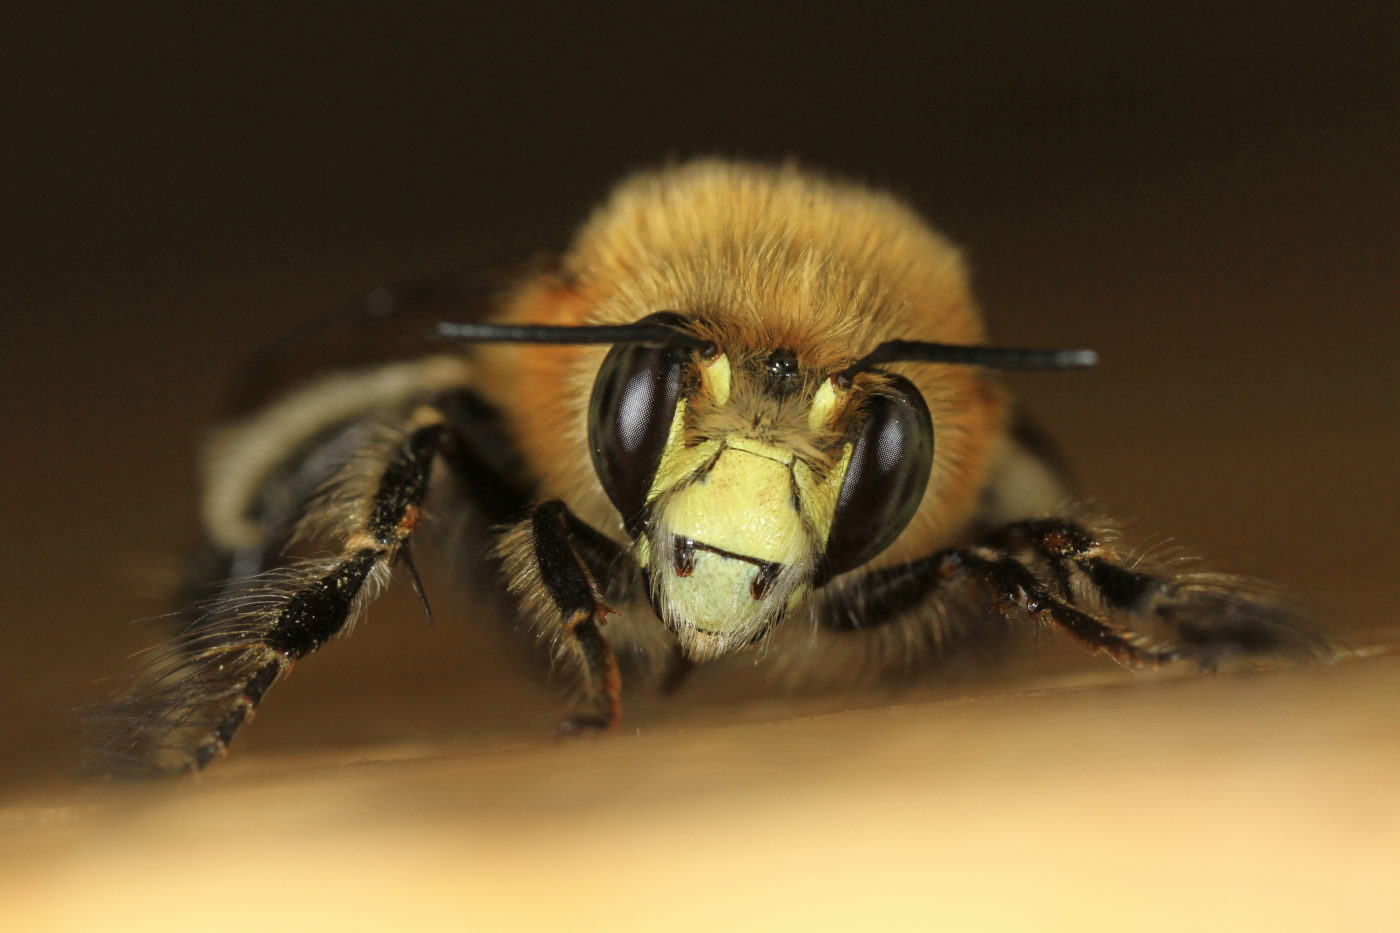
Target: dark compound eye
{"points": [[888, 472], [629, 417]]}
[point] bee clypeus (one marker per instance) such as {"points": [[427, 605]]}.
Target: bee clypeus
{"points": [[749, 410]]}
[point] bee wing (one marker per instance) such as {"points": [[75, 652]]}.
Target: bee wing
{"points": [[393, 322]]}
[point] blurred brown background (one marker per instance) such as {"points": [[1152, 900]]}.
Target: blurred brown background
{"points": [[1209, 197]]}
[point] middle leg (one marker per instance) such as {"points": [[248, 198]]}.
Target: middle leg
{"points": [[562, 568]]}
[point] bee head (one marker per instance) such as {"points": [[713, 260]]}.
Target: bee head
{"points": [[746, 479]]}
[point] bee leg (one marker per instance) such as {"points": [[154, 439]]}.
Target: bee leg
{"points": [[562, 546], [885, 595], [1207, 615], [1014, 584], [274, 507], [1083, 578], [196, 697]]}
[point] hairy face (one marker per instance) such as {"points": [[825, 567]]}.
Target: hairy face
{"points": [[732, 471]]}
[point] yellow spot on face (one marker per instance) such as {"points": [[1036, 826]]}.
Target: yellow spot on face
{"points": [[716, 376], [824, 404]]}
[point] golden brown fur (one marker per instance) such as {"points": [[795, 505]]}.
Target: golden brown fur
{"points": [[771, 257]]}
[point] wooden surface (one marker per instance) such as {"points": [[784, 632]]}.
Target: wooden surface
{"points": [[1262, 801]]}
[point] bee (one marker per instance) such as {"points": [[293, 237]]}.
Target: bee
{"points": [[750, 409]]}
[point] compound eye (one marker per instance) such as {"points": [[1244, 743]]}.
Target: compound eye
{"points": [[888, 471], [629, 417]]}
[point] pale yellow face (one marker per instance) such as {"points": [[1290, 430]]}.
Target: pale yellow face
{"points": [[738, 523]]}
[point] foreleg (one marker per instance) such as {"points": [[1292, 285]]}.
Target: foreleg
{"points": [[1207, 616], [1075, 578], [561, 568]]}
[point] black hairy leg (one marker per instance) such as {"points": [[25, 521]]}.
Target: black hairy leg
{"points": [[275, 511], [204, 687], [1074, 577], [570, 557], [1208, 617], [883, 596]]}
